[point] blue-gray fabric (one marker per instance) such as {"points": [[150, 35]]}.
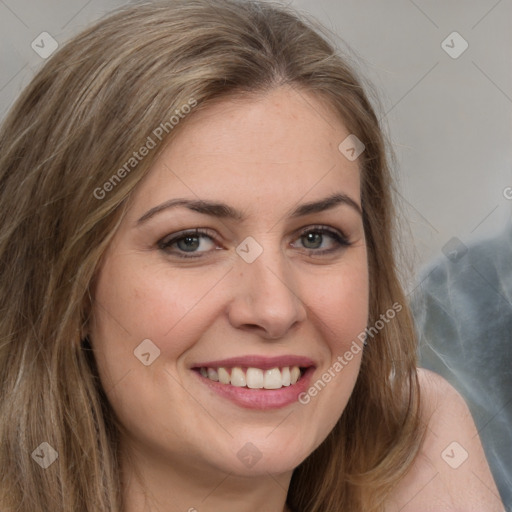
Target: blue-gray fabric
{"points": [[463, 313]]}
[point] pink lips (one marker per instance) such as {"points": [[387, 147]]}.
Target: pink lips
{"points": [[259, 398]]}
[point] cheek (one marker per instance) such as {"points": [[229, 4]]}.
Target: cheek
{"points": [[134, 302], [341, 304], [341, 309]]}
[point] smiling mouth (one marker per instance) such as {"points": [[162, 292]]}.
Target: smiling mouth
{"points": [[254, 378]]}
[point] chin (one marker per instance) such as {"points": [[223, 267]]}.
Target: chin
{"points": [[267, 453]]}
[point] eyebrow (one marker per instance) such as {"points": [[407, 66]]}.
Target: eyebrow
{"points": [[224, 211]]}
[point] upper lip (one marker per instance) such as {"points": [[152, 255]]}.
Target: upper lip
{"points": [[254, 361]]}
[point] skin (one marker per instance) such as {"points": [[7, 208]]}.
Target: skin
{"points": [[442, 479], [265, 156]]}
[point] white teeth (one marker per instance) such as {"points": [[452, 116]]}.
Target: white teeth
{"points": [[237, 377], [254, 378], [285, 375], [223, 376], [272, 379]]}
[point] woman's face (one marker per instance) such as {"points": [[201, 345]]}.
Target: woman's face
{"points": [[274, 281]]}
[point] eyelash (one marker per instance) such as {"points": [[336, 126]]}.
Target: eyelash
{"points": [[340, 239]]}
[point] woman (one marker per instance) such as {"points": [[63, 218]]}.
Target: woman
{"points": [[200, 309]]}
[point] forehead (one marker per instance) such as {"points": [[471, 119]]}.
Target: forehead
{"points": [[283, 144]]}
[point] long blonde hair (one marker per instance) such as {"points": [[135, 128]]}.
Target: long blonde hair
{"points": [[72, 129]]}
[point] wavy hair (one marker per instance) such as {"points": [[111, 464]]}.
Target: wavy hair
{"points": [[78, 122]]}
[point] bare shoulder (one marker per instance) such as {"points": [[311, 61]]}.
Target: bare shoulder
{"points": [[451, 472]]}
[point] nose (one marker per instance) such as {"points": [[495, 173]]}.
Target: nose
{"points": [[265, 299]]}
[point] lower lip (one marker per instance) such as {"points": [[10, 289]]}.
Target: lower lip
{"points": [[260, 398]]}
